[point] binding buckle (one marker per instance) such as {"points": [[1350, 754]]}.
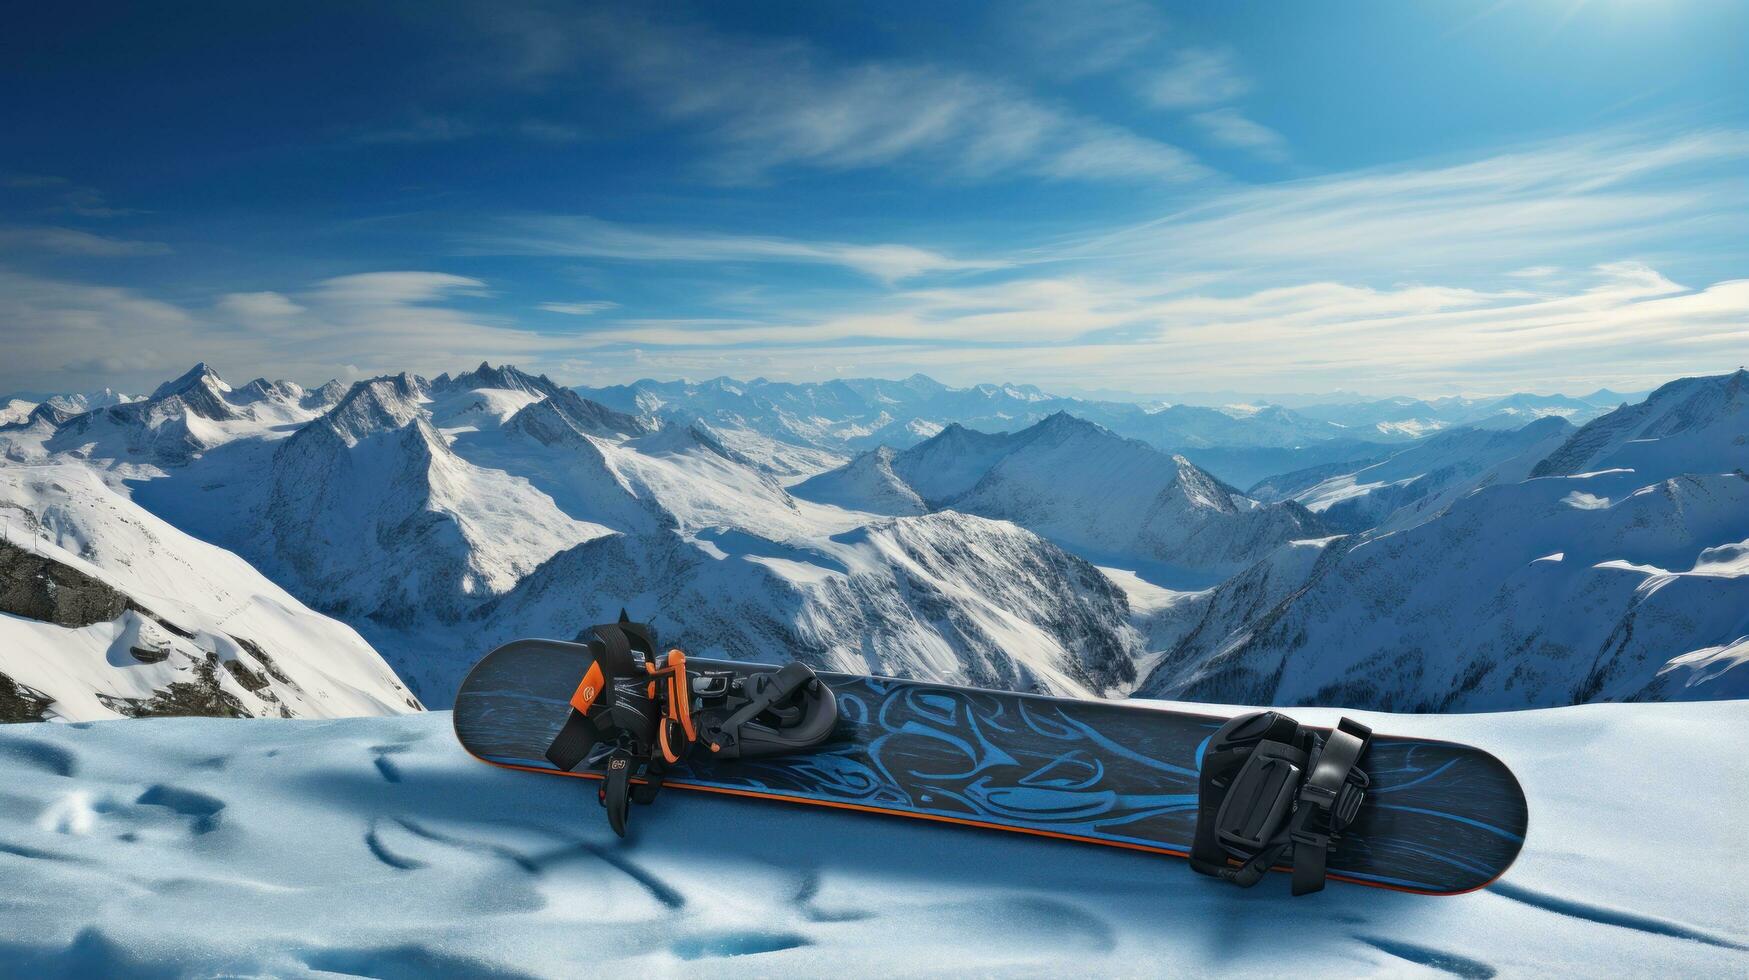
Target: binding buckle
{"points": [[1260, 799]]}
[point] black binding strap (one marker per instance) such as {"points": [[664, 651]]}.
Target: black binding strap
{"points": [[1328, 802], [615, 789], [573, 742], [610, 647], [1269, 787]]}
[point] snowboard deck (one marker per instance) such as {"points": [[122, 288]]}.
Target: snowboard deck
{"points": [[1440, 818]]}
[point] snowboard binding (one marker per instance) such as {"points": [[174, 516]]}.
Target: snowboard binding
{"points": [[641, 713], [1268, 787]]}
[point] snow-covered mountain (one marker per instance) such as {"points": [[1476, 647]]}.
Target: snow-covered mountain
{"points": [[1241, 442], [1419, 481], [442, 517], [1077, 484], [109, 611], [373, 487], [1695, 425], [1620, 571], [868, 482]]}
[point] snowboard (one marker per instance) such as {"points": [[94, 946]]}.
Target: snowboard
{"points": [[1439, 818]]}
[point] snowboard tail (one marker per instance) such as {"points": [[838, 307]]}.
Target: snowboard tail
{"points": [[1439, 817]]}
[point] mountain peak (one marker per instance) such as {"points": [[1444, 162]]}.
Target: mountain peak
{"points": [[506, 376], [201, 375]]}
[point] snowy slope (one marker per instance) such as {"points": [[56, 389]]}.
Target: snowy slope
{"points": [[110, 611], [868, 483], [1423, 479], [1551, 591], [376, 847], [1695, 425]]}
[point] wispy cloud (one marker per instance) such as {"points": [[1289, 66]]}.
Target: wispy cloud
{"points": [[1617, 193], [1088, 37], [1196, 77], [1625, 324], [1230, 127], [71, 241], [579, 309], [69, 197], [587, 237], [765, 105]]}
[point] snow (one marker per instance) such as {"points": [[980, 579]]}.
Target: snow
{"points": [[377, 847], [15, 410], [1708, 663], [1585, 501], [67, 513]]}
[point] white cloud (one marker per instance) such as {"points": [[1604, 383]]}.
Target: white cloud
{"points": [[1083, 38], [1230, 127], [1587, 198], [586, 237], [375, 322], [579, 309], [69, 241], [1108, 153], [763, 106], [1197, 77], [394, 289], [1625, 326], [251, 308]]}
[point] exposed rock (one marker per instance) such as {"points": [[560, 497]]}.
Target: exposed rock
{"points": [[38, 587], [21, 703]]}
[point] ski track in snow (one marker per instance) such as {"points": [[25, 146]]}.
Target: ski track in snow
{"points": [[377, 847]]}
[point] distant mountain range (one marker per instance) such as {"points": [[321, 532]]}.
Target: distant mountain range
{"points": [[1240, 443], [994, 535]]}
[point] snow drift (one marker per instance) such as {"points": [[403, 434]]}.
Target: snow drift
{"points": [[186, 846]]}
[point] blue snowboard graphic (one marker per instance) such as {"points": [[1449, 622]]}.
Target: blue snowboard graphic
{"points": [[1440, 817]]}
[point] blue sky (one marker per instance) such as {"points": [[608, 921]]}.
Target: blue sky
{"points": [[1392, 197]]}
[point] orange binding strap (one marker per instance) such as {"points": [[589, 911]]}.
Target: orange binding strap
{"points": [[589, 689], [679, 703]]}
